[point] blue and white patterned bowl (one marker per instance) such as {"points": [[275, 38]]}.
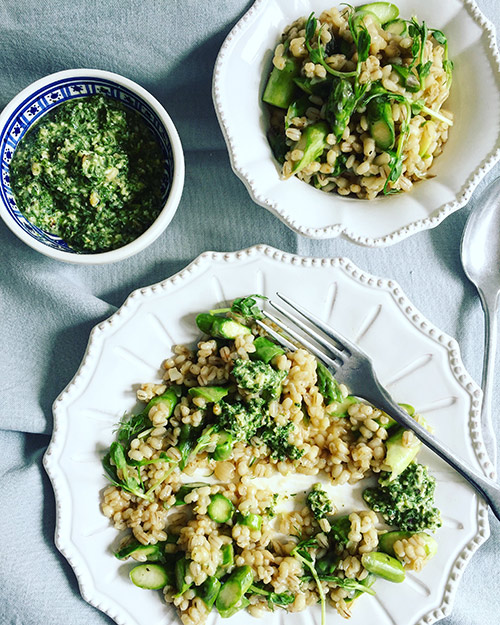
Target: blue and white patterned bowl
{"points": [[42, 96]]}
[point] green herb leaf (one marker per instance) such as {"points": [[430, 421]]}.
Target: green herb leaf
{"points": [[273, 599], [415, 46], [301, 552], [142, 463], [448, 68], [296, 109], [316, 56], [130, 427], [277, 141], [311, 26], [401, 71], [352, 25], [339, 166], [396, 170], [424, 31], [415, 32], [339, 530], [424, 70], [281, 599], [408, 77], [440, 37], [346, 583], [447, 64], [416, 106], [114, 462], [363, 45], [396, 163], [247, 306]]}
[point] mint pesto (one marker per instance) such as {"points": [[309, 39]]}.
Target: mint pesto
{"points": [[90, 172], [406, 502]]}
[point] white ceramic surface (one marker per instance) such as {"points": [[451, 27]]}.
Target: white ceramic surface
{"points": [[472, 149], [416, 361]]}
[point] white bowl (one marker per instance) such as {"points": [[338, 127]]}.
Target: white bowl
{"points": [[43, 95], [472, 149]]}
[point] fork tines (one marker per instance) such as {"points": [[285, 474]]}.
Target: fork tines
{"points": [[331, 359], [338, 339], [282, 340]]}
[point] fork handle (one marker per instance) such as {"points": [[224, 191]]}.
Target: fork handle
{"points": [[486, 487]]}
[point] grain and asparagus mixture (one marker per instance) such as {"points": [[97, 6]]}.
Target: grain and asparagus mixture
{"points": [[355, 100], [191, 478]]}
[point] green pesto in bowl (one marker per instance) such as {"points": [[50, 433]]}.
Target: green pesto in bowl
{"points": [[90, 171]]}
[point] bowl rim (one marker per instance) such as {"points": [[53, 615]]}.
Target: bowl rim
{"points": [[167, 212], [337, 228]]}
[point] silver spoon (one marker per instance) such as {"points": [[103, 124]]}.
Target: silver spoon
{"points": [[480, 251]]}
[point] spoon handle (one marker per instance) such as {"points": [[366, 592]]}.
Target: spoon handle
{"points": [[490, 307]]}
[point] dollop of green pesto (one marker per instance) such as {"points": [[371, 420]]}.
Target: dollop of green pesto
{"points": [[257, 377], [319, 502], [277, 438], [406, 502], [242, 420], [90, 171]]}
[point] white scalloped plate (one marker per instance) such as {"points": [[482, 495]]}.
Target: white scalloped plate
{"points": [[418, 363], [472, 149]]}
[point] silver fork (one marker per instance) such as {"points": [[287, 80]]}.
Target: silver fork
{"points": [[352, 367]]}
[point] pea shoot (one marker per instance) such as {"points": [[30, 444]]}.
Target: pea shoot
{"points": [[248, 307], [440, 37], [302, 552], [281, 599], [119, 474], [344, 582], [419, 33], [317, 55]]}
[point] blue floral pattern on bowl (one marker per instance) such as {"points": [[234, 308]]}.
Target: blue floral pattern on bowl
{"points": [[28, 112]]}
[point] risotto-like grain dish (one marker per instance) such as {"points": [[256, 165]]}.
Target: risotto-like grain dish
{"points": [[355, 100], [192, 480]]}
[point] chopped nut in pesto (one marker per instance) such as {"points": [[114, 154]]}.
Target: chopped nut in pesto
{"points": [[90, 172]]}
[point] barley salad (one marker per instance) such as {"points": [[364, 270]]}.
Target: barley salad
{"points": [[191, 473], [355, 100]]}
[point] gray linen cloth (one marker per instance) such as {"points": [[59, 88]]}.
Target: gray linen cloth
{"points": [[47, 308]]}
